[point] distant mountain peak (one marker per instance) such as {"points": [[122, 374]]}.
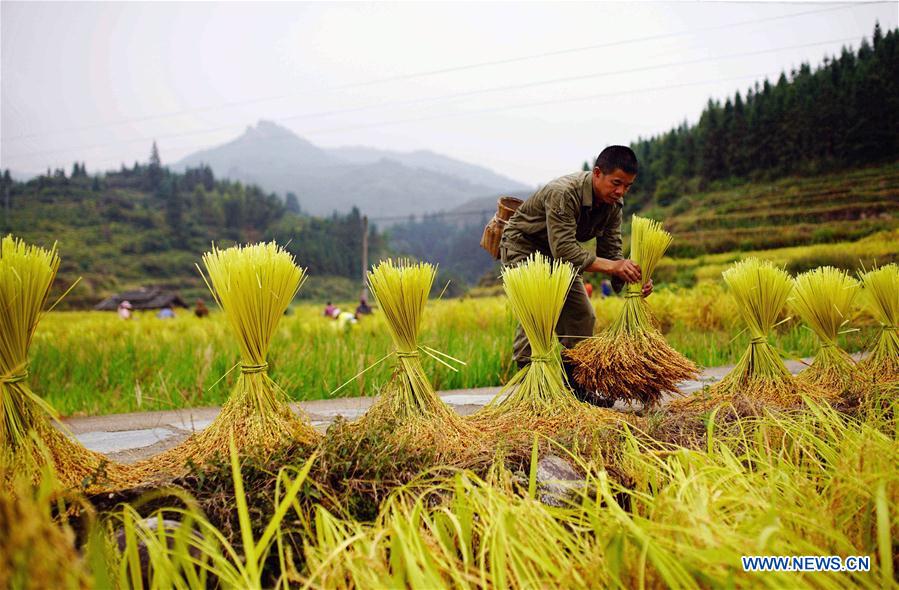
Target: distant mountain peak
{"points": [[271, 129], [265, 130], [379, 182]]}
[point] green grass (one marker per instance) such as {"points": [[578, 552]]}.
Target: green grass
{"points": [[95, 363]]}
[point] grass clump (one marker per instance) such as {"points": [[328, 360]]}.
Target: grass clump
{"points": [[761, 290], [28, 439], [631, 360], [881, 299], [823, 298], [253, 285]]}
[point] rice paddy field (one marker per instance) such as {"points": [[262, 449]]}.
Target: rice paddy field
{"points": [[536, 490], [89, 363]]}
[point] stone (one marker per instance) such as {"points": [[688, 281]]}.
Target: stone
{"points": [[557, 481]]}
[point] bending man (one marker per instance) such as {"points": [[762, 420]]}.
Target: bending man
{"points": [[576, 208]]}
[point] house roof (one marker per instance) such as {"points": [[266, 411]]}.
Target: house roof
{"points": [[143, 298]]}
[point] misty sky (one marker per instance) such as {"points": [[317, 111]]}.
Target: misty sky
{"points": [[97, 82]]}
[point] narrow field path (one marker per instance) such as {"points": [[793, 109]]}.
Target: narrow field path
{"points": [[134, 436]]}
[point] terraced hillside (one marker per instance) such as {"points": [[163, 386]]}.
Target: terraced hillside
{"points": [[843, 206]]}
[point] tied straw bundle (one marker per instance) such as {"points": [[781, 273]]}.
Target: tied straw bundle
{"points": [[253, 285], [538, 395], [631, 361], [401, 289], [881, 298], [823, 298], [28, 440], [761, 290]]}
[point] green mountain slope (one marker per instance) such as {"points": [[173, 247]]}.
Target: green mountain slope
{"points": [[148, 226], [841, 206]]}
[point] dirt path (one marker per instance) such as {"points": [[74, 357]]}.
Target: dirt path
{"points": [[131, 437]]}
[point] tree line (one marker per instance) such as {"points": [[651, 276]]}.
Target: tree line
{"points": [[844, 113], [149, 209]]}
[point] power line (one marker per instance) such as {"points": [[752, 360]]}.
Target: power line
{"points": [[454, 96], [506, 107], [441, 215], [444, 70], [538, 103]]}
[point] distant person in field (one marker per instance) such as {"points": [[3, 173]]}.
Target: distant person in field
{"points": [[125, 310], [166, 313], [605, 288], [576, 208], [329, 310], [589, 289], [201, 311], [344, 320], [363, 308]]}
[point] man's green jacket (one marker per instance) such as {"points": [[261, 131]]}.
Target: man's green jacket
{"points": [[561, 214]]}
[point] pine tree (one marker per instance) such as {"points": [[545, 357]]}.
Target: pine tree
{"points": [[292, 203], [154, 172], [174, 206]]}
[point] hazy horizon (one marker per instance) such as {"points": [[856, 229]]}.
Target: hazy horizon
{"points": [[527, 90]]}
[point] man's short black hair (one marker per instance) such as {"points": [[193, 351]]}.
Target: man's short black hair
{"points": [[617, 157]]}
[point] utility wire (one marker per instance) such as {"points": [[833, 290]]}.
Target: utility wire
{"points": [[507, 107], [459, 95], [441, 215], [452, 69]]}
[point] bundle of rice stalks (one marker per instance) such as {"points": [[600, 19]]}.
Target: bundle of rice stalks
{"points": [[401, 289], [631, 360], [823, 298], [538, 395], [761, 291], [881, 298], [28, 439], [253, 285]]}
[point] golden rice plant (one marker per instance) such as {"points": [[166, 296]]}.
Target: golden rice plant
{"points": [[761, 290], [401, 289], [538, 395], [28, 439], [38, 548], [823, 298], [253, 285], [631, 360], [881, 298]]}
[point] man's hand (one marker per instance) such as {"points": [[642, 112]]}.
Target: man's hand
{"points": [[647, 288], [626, 270]]}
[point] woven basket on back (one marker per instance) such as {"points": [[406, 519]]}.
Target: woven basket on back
{"points": [[493, 232]]}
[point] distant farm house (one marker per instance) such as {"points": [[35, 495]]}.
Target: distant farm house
{"points": [[144, 298]]}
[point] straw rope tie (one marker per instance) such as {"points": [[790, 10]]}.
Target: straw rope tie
{"points": [[10, 379], [250, 369], [631, 295], [758, 340], [407, 355], [548, 358]]}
